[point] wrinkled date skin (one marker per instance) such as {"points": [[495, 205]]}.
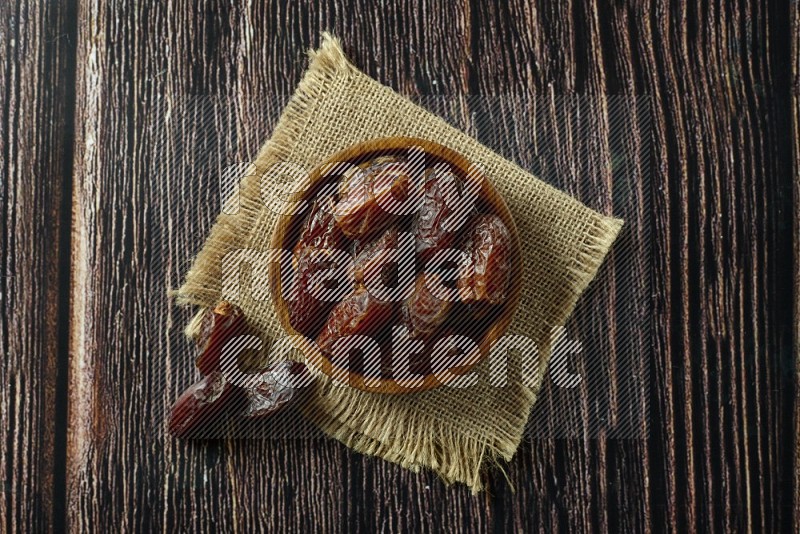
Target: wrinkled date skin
{"points": [[360, 313], [306, 313], [201, 411], [423, 313], [487, 278], [368, 263], [429, 222], [220, 324], [312, 254], [358, 211], [320, 230], [281, 385]]}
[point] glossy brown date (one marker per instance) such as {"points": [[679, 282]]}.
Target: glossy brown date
{"points": [[201, 411], [281, 385], [218, 325], [358, 212], [307, 313], [423, 313], [360, 313], [430, 219], [369, 258], [319, 238], [319, 229], [486, 279]]}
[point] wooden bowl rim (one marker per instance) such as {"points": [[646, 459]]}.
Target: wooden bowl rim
{"points": [[460, 164]]}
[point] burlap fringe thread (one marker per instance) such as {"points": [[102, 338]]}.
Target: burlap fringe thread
{"points": [[362, 421]]}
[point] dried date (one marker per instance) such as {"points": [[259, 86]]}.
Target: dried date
{"points": [[319, 229], [486, 278], [423, 313], [218, 325], [306, 312], [369, 259], [360, 313], [281, 385], [202, 409], [358, 212], [314, 252], [430, 221]]}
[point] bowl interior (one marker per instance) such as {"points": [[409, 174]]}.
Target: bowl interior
{"points": [[287, 231]]}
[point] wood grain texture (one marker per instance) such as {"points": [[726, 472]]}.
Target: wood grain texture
{"points": [[37, 58], [723, 80], [723, 334], [125, 470], [795, 98]]}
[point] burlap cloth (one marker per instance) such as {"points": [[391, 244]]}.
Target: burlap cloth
{"points": [[455, 432]]}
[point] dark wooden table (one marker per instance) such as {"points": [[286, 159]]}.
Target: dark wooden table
{"points": [[76, 79]]}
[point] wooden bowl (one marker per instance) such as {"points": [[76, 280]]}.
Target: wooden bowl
{"points": [[286, 233]]}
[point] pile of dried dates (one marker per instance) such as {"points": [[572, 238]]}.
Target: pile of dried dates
{"points": [[398, 252]]}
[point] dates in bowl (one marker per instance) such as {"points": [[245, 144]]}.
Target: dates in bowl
{"points": [[405, 266]]}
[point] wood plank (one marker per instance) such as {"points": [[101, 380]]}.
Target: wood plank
{"points": [[794, 88], [135, 64], [575, 485], [135, 232], [721, 316], [37, 41]]}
